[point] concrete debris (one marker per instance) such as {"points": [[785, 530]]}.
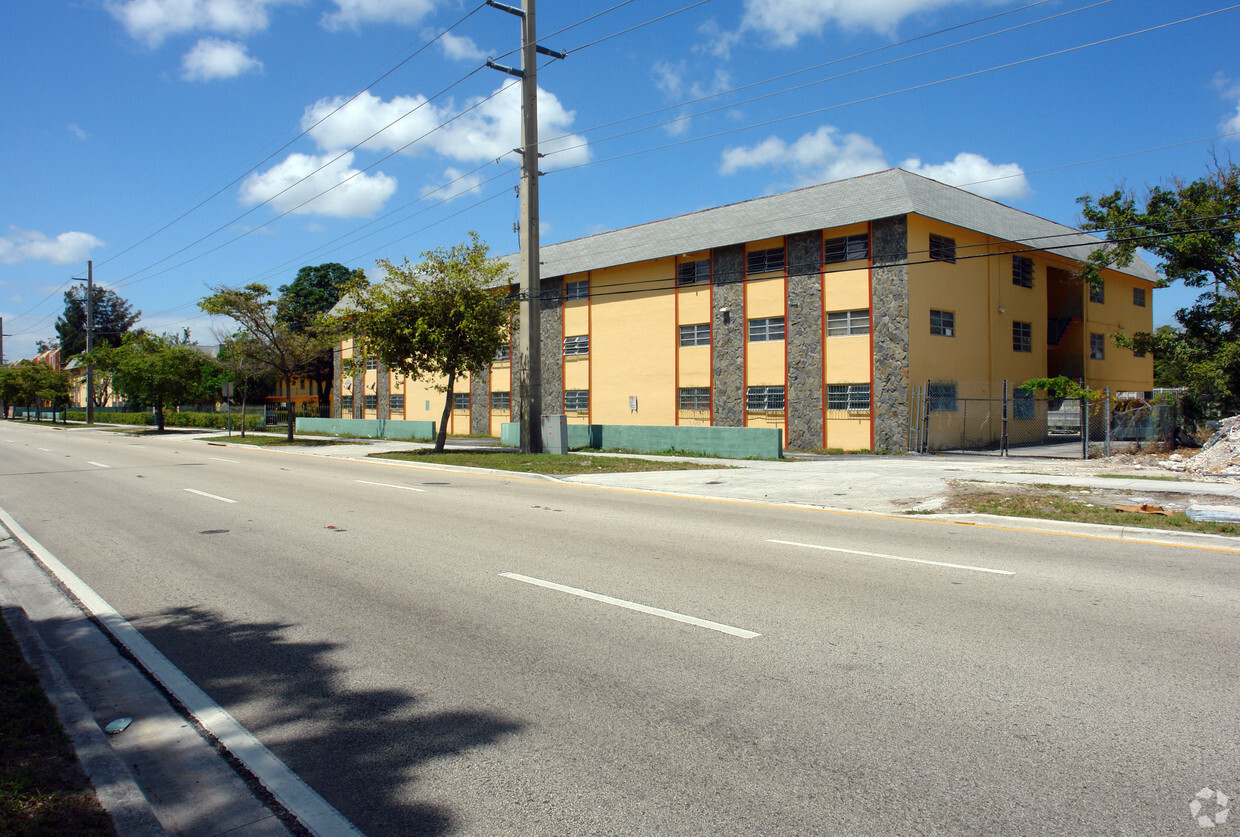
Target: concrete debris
{"points": [[1220, 455]]}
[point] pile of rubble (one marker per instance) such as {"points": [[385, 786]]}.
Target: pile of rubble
{"points": [[1219, 456]]}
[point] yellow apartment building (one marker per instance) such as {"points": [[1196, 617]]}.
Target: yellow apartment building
{"points": [[821, 312]]}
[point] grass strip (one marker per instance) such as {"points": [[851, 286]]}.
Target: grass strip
{"points": [[43, 790], [541, 463]]}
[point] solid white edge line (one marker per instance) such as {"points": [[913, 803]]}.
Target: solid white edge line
{"points": [[212, 496], [233, 461], [97, 464], [310, 809], [389, 485], [640, 608], [892, 557]]}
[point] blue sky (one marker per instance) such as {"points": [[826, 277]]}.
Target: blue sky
{"points": [[156, 136]]}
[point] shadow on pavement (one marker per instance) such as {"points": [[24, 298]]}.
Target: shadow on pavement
{"points": [[358, 748]]}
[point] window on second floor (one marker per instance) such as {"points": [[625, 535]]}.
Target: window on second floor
{"points": [[766, 330], [371, 363], [693, 273], [846, 249], [502, 354], [578, 345], [577, 290], [848, 323], [942, 248], [1138, 297], [1097, 293], [1022, 271], [765, 261], [695, 335]]}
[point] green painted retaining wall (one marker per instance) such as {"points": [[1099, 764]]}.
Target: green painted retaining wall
{"points": [[735, 442], [369, 428]]}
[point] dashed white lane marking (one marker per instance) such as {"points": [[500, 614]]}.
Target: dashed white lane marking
{"points": [[220, 459], [892, 557], [212, 496], [46, 450], [640, 608], [97, 464], [389, 485]]}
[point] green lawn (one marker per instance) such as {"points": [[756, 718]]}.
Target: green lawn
{"points": [[542, 463]]}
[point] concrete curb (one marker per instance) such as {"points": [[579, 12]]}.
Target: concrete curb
{"points": [[114, 784]]}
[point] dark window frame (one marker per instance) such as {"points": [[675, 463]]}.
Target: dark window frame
{"points": [[942, 248], [767, 332], [1022, 336], [946, 325], [768, 260], [1022, 271], [846, 248]]}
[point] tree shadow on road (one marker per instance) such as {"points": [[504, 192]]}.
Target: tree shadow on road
{"points": [[360, 747]]}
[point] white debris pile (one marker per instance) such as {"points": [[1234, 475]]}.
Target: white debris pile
{"points": [[1220, 455]]}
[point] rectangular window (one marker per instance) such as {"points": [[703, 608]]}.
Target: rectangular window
{"points": [[371, 363], [501, 401], [942, 323], [346, 403], [460, 402], [848, 323], [695, 335], [765, 261], [371, 402], [1022, 404], [1138, 297], [942, 248], [397, 402], [576, 400], [579, 345], [1097, 346], [764, 399], [1097, 292], [695, 399], [1022, 337], [577, 290], [1138, 353], [855, 398], [766, 330], [942, 398], [846, 249], [693, 273], [503, 354], [1022, 271]]}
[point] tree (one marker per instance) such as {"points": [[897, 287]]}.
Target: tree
{"points": [[158, 372], [1192, 229], [33, 384], [438, 320], [303, 301], [113, 318], [248, 377], [264, 339]]}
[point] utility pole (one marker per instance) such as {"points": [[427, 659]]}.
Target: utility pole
{"points": [[2, 336], [90, 338], [527, 359]]}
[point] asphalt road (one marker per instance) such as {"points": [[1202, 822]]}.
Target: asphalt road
{"points": [[389, 632]]}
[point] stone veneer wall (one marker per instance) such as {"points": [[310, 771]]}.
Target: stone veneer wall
{"points": [[804, 342], [480, 403], [337, 382], [551, 332], [889, 329], [728, 339]]}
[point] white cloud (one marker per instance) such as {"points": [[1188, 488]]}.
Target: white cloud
{"points": [[31, 246], [456, 183], [212, 58], [489, 131], [355, 194], [999, 181], [77, 131], [154, 20], [1228, 89], [827, 154], [351, 14], [786, 21], [819, 157], [460, 48]]}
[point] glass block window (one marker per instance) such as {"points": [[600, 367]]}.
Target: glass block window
{"points": [[693, 273], [576, 400], [501, 401], [848, 323], [855, 398], [943, 323], [695, 335], [846, 249], [766, 330], [943, 398], [942, 248], [1022, 337], [694, 399], [577, 290], [764, 399], [1022, 271], [579, 345], [765, 261]]}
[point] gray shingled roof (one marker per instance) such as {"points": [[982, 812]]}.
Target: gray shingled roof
{"points": [[865, 198]]}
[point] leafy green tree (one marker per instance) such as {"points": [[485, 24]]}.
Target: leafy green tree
{"points": [[34, 384], [313, 293], [158, 372], [263, 339], [1193, 229], [113, 319], [248, 377], [436, 320]]}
